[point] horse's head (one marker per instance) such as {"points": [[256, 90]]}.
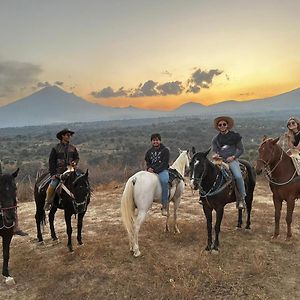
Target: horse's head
{"points": [[8, 195], [268, 153], [198, 169], [78, 183], [185, 157]]}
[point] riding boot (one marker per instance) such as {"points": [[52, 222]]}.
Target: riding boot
{"points": [[49, 197], [241, 204]]}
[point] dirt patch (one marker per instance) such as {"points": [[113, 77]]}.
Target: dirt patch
{"points": [[249, 265]]}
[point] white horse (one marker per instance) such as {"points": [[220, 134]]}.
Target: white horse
{"points": [[141, 190]]}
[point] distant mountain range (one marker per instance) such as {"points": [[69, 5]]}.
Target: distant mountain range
{"points": [[52, 105]]}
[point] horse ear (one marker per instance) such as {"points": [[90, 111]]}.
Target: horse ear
{"points": [[264, 138], [86, 173], [15, 174], [275, 140], [193, 150], [180, 151], [206, 153]]}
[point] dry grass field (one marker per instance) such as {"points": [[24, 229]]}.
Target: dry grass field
{"points": [[249, 266]]}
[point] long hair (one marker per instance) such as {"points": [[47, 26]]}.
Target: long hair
{"points": [[290, 134]]}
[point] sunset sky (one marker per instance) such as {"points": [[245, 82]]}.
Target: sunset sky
{"points": [[150, 54]]}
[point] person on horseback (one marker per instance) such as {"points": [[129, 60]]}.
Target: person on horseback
{"points": [[228, 146], [62, 155], [157, 160], [293, 133]]}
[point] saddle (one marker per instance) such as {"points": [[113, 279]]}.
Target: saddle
{"points": [[295, 156], [174, 176]]}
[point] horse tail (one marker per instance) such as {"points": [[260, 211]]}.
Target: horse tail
{"points": [[128, 205]]}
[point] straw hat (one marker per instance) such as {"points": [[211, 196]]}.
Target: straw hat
{"points": [[227, 119]]}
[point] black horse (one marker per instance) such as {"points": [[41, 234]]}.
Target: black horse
{"points": [[74, 197], [8, 206], [216, 189]]}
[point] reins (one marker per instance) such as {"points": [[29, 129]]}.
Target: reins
{"points": [[268, 173]]}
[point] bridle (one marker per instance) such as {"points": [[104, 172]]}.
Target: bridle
{"points": [[3, 214], [268, 172]]}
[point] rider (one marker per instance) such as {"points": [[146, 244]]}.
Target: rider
{"points": [[228, 146], [157, 159], [293, 133], [62, 155]]}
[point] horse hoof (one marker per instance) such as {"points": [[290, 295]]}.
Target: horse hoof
{"points": [[274, 237], [137, 253], [10, 281], [207, 248], [40, 243], [238, 227], [214, 251], [288, 238], [80, 243], [176, 231]]}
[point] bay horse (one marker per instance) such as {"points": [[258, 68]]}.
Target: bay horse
{"points": [[144, 188], [73, 198], [216, 191], [282, 177], [8, 206]]}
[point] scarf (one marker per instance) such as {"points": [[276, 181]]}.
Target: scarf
{"points": [[230, 138]]}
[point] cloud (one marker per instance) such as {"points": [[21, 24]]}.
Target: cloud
{"points": [[201, 79], [166, 72], [170, 88], [146, 89], [60, 83], [43, 84], [15, 75], [198, 80], [108, 92]]}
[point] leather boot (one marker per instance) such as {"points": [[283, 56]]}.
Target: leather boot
{"points": [[49, 197]]}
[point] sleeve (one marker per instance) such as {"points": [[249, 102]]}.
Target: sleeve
{"points": [[76, 156], [52, 162], [214, 145], [164, 161], [147, 159], [239, 149]]}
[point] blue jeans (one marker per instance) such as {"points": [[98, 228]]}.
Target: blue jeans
{"points": [[237, 174], [164, 179], [54, 183]]}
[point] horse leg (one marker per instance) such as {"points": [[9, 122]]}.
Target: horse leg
{"points": [[176, 205], [249, 200], [79, 228], [69, 230], [208, 214], [6, 239], [137, 225], [240, 218], [219, 218], [38, 220], [278, 205], [51, 223], [289, 217], [167, 228]]}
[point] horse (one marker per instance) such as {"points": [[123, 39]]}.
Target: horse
{"points": [[8, 214], [73, 198], [283, 180], [144, 188], [216, 191]]}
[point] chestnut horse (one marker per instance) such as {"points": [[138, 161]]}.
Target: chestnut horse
{"points": [[282, 177]]}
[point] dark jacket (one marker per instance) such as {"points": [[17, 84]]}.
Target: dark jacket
{"points": [[61, 156], [158, 159]]}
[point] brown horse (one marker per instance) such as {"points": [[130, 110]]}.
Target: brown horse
{"points": [[282, 177]]}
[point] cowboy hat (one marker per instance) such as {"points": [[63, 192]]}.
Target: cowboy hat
{"points": [[227, 119], [63, 132]]}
